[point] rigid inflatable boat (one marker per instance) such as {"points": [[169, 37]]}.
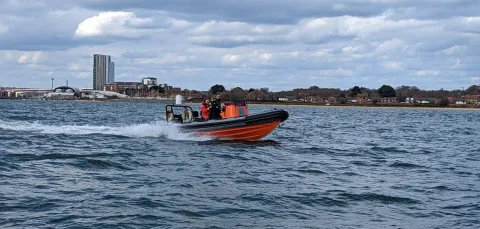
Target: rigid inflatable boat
{"points": [[236, 122]]}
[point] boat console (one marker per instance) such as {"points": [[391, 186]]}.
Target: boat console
{"points": [[234, 109]]}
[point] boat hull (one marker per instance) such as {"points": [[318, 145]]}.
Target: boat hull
{"points": [[247, 128]]}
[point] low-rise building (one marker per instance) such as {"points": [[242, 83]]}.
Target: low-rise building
{"points": [[126, 88], [332, 100], [150, 81], [423, 100], [175, 90], [362, 98], [471, 99], [451, 100], [387, 100]]}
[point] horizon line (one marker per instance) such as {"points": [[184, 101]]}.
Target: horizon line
{"points": [[258, 88]]}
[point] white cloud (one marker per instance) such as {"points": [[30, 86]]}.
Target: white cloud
{"points": [[211, 27], [428, 73], [319, 29], [230, 58], [178, 24], [110, 23], [470, 24], [393, 45], [225, 28], [351, 49], [266, 56], [139, 22], [455, 50], [32, 58], [127, 24]]}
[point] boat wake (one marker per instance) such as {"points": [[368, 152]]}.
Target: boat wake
{"points": [[153, 129]]}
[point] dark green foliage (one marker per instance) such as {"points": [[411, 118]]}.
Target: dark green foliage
{"points": [[444, 102], [355, 90], [237, 94], [217, 88], [473, 90], [386, 91], [401, 98]]}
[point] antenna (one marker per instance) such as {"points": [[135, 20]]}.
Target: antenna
{"points": [[52, 83]]}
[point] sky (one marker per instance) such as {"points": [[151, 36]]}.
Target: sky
{"points": [[279, 44]]}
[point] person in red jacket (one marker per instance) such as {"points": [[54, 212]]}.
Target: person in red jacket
{"points": [[205, 109]]}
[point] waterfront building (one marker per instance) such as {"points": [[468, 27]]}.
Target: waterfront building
{"points": [[150, 81], [111, 73], [126, 88], [103, 71], [64, 92]]}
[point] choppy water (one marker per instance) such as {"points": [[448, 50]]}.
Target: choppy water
{"points": [[117, 165]]}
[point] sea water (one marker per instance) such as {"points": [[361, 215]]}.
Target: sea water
{"points": [[119, 165]]}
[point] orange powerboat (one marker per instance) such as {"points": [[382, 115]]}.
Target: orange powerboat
{"points": [[236, 123]]}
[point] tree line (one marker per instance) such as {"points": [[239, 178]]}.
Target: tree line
{"points": [[400, 93]]}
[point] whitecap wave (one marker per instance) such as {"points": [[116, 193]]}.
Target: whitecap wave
{"points": [[153, 129]]}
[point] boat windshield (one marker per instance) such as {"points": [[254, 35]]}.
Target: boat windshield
{"points": [[179, 114]]}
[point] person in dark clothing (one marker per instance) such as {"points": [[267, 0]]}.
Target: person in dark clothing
{"points": [[216, 107]]}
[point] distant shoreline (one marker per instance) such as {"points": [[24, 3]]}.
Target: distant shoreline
{"points": [[281, 104], [355, 106], [395, 106], [369, 107]]}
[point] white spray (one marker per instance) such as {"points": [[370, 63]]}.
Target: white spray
{"points": [[153, 129]]}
